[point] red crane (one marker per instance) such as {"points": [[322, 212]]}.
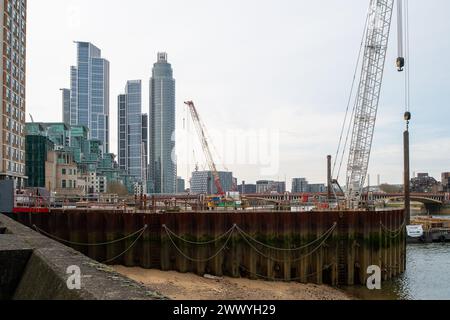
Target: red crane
{"points": [[204, 140]]}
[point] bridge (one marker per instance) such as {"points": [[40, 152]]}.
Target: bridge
{"points": [[426, 198]]}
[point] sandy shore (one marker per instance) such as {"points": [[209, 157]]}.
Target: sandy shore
{"points": [[180, 286]]}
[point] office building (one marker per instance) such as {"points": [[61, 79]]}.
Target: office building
{"points": [[89, 94], [145, 147], [66, 105], [245, 188], [163, 168], [181, 185], [424, 183], [37, 149], [202, 182], [267, 186], [13, 26], [299, 185], [133, 138], [317, 188], [60, 158], [446, 181]]}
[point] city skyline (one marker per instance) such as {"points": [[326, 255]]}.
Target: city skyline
{"points": [[303, 68]]}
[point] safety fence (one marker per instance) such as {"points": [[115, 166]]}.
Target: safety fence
{"points": [[335, 248]]}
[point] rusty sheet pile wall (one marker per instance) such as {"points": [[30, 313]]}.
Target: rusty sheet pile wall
{"points": [[335, 248]]}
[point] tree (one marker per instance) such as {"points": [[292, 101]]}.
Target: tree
{"points": [[388, 188], [117, 188]]}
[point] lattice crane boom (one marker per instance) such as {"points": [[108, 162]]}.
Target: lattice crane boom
{"points": [[368, 96], [205, 145]]}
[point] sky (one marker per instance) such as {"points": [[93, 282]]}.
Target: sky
{"points": [[277, 72]]}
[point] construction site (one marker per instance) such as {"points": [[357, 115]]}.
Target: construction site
{"points": [[327, 238]]}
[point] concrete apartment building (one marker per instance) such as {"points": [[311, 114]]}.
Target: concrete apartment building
{"points": [[266, 186], [94, 183], [61, 174], [202, 182], [13, 22], [445, 181]]}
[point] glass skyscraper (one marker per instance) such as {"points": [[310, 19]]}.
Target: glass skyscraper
{"points": [[66, 105], [132, 138], [163, 168], [89, 94], [145, 142]]}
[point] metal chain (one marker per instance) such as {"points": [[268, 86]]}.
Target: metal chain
{"points": [[287, 260], [284, 249], [199, 260], [88, 244], [394, 233], [128, 249], [200, 243]]}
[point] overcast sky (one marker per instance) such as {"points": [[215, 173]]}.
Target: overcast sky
{"points": [[280, 65]]}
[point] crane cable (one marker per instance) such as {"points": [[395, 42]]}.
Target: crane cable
{"points": [[348, 108], [408, 57]]}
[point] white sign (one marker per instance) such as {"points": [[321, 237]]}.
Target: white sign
{"points": [[414, 231]]}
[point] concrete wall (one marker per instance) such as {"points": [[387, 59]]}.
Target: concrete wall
{"points": [[35, 267]]}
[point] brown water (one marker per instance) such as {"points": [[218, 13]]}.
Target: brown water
{"points": [[427, 276]]}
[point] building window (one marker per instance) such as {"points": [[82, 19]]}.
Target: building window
{"points": [[64, 184], [64, 172]]}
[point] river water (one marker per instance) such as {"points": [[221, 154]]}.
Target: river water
{"points": [[427, 276]]}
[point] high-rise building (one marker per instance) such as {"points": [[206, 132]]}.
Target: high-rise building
{"points": [[37, 149], [446, 181], [424, 183], [89, 94], [265, 186], [122, 131], [317, 188], [132, 135], [246, 188], [299, 185], [145, 143], [13, 27], [202, 182], [181, 185], [163, 167], [66, 105]]}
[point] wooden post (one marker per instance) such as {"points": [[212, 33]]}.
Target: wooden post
{"points": [[407, 177]]}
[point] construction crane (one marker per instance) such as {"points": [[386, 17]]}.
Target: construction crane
{"points": [[200, 127], [374, 50]]}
